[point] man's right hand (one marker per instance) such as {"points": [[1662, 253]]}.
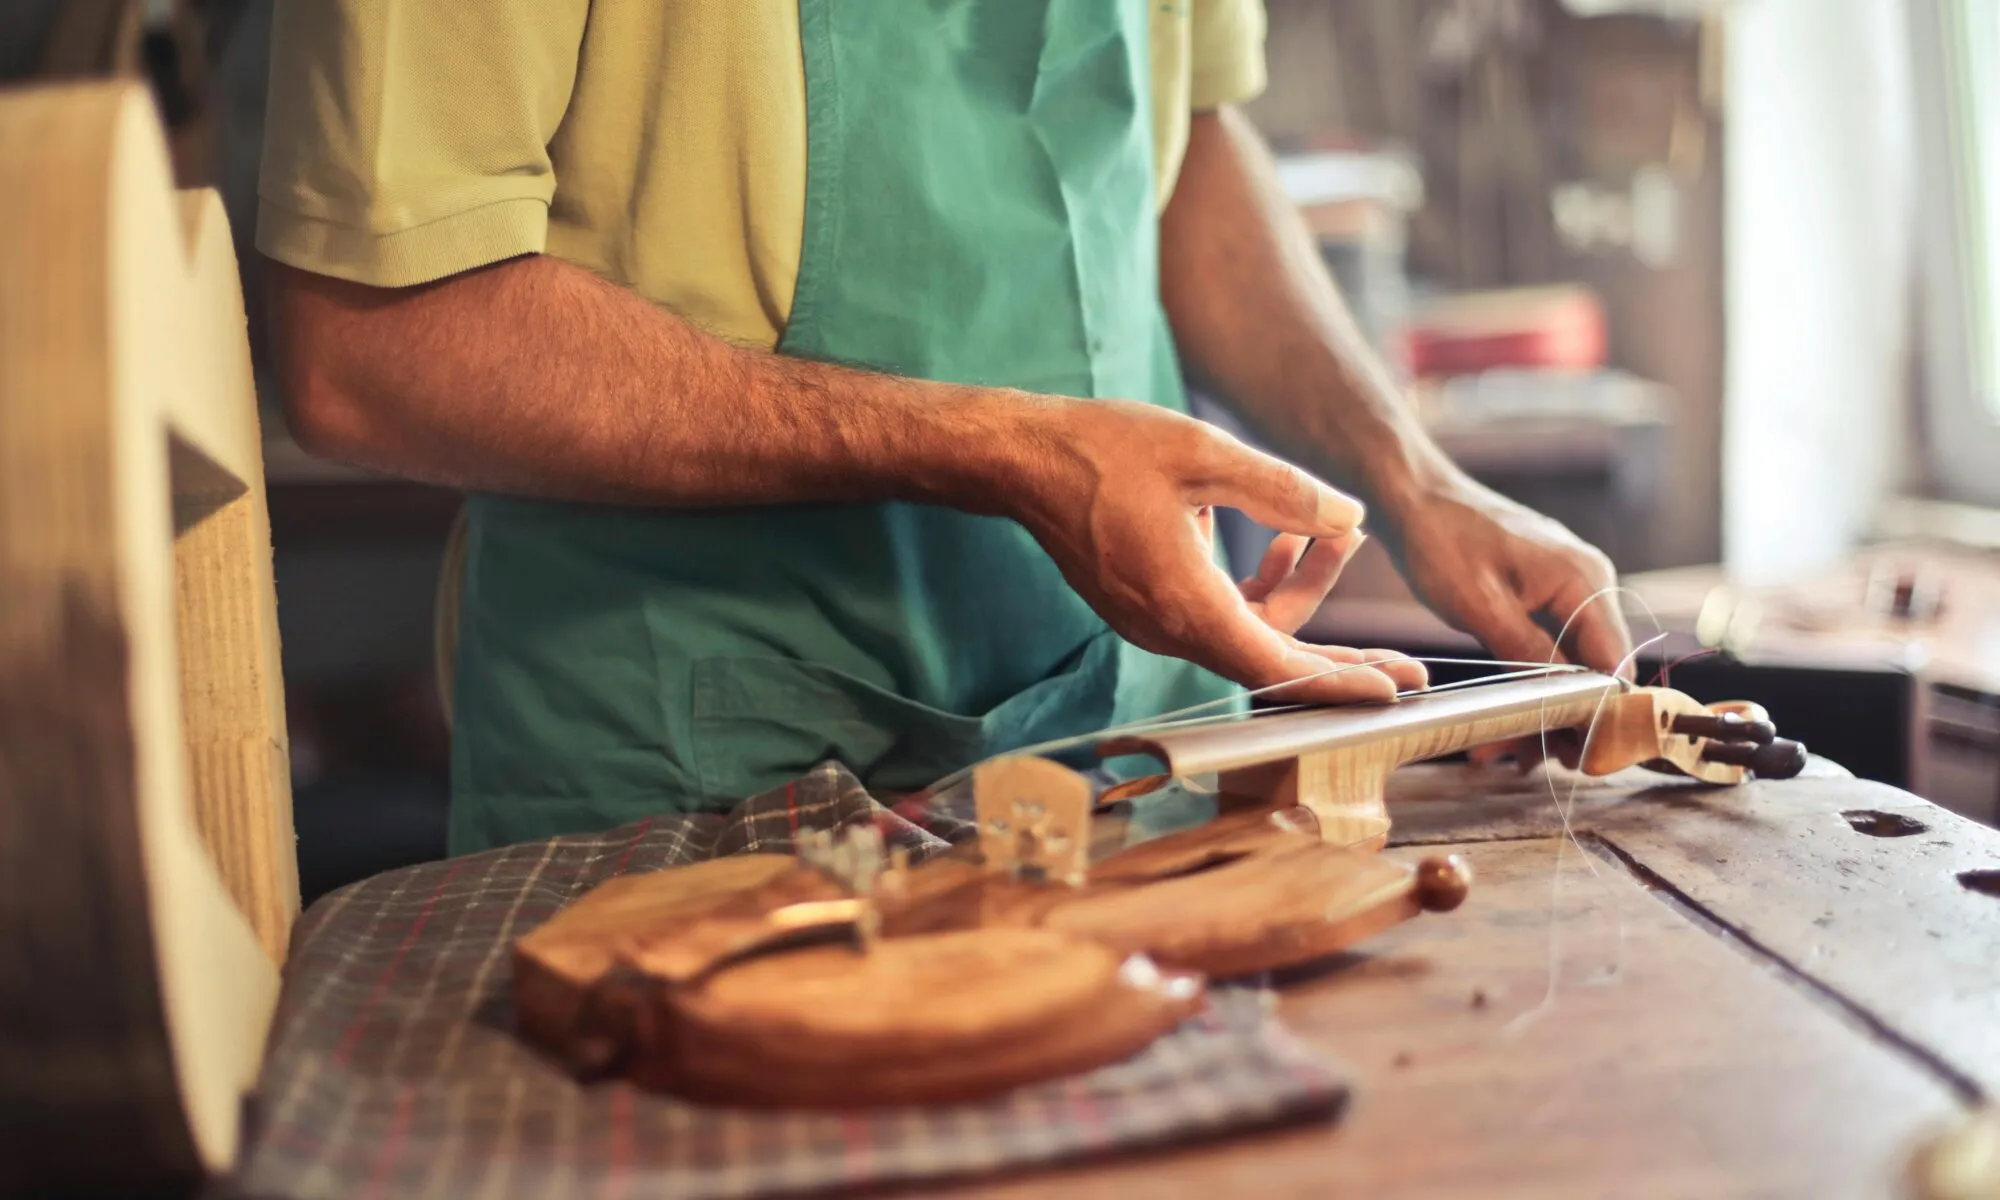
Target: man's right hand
{"points": [[1121, 495]]}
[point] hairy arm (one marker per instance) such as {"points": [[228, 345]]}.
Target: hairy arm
{"points": [[536, 378], [1255, 310]]}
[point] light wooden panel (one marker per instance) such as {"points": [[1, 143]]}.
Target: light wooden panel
{"points": [[147, 876]]}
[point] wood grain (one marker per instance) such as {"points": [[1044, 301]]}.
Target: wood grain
{"points": [[1276, 907], [560, 961], [1436, 803], [146, 856], [1883, 922], [919, 1020], [232, 694], [1670, 1063]]}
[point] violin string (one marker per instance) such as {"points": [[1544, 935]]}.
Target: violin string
{"points": [[1552, 986], [1539, 671], [1141, 728], [1183, 718]]}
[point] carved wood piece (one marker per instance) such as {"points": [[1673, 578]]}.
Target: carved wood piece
{"points": [[147, 867], [704, 981], [1278, 907], [922, 1020], [558, 963]]}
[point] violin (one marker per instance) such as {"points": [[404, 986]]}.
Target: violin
{"points": [[1070, 930]]}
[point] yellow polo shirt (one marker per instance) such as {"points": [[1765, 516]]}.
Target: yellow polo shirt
{"points": [[659, 143]]}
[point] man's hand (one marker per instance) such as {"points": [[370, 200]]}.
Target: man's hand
{"points": [[1122, 500], [1489, 567], [537, 378], [1258, 316]]}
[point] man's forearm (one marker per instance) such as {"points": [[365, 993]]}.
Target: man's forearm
{"points": [[1257, 315], [535, 377]]}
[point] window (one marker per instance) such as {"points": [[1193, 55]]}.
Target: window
{"points": [[1956, 73]]}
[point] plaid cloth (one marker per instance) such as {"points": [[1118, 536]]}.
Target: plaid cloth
{"points": [[393, 1070]]}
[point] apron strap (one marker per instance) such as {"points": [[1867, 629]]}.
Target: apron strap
{"points": [[444, 613]]}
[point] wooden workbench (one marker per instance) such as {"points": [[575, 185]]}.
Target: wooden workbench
{"points": [[1755, 998]]}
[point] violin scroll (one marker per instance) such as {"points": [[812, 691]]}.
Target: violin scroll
{"points": [[1663, 729]]}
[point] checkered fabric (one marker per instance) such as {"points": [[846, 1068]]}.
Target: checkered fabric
{"points": [[394, 1072]]}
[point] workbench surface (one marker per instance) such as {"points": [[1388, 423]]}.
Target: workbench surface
{"points": [[1772, 990]]}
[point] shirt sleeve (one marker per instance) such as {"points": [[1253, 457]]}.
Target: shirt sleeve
{"points": [[407, 140], [1227, 52]]}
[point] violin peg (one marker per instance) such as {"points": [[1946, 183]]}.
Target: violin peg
{"points": [[1781, 758], [1724, 727], [1443, 883]]}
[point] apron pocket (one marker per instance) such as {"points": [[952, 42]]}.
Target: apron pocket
{"points": [[760, 722]]}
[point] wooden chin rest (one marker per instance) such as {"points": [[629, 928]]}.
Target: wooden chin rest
{"points": [[847, 977]]}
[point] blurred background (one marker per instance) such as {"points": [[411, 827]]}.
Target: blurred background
{"points": [[1710, 281]]}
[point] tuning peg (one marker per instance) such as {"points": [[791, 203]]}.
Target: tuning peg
{"points": [[1781, 758], [1724, 727]]}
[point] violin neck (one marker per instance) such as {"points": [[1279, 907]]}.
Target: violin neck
{"points": [[1410, 730]]}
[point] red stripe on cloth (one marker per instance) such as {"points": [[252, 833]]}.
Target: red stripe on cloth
{"points": [[618, 1164], [857, 1134], [638, 835], [1085, 1108], [393, 1141], [355, 1027]]}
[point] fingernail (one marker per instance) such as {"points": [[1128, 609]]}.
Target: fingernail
{"points": [[1340, 511]]}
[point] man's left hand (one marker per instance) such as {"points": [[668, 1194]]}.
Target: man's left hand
{"points": [[1491, 568]]}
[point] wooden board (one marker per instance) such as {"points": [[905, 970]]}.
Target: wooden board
{"points": [[1855, 885], [147, 869], [1861, 889], [1708, 1034], [1695, 1070]]}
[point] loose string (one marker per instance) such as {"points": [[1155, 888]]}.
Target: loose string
{"points": [[1548, 1001]]}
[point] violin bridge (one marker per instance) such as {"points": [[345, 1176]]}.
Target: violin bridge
{"points": [[853, 857], [1034, 819]]}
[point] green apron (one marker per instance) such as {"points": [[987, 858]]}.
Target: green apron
{"points": [[979, 209]]}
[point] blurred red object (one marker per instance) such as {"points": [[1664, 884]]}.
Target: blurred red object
{"points": [[1559, 327]]}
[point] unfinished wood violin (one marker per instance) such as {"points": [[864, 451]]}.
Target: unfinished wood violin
{"points": [[148, 878], [1076, 927]]}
